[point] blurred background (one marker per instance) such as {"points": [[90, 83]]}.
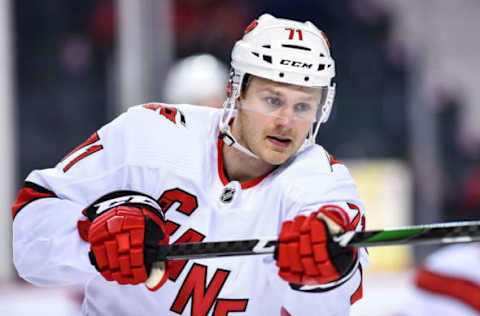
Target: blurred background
{"points": [[406, 118]]}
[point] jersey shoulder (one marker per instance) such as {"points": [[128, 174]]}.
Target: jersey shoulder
{"points": [[313, 163], [184, 117], [315, 176], [164, 134]]}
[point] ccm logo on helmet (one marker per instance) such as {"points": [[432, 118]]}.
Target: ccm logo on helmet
{"points": [[294, 63]]}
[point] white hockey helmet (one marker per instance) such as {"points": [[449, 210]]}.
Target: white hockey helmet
{"points": [[285, 51], [196, 78]]}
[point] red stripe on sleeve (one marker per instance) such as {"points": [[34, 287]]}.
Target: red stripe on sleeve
{"points": [[356, 219], [30, 192], [462, 290], [284, 312], [94, 138], [87, 153], [358, 294]]}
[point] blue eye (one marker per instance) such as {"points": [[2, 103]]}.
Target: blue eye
{"points": [[303, 107], [273, 101]]}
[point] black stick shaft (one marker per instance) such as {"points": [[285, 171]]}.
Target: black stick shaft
{"points": [[455, 232]]}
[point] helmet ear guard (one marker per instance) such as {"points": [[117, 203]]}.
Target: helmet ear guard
{"points": [[284, 51]]}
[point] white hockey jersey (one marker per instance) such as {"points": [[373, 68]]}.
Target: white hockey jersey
{"points": [[174, 155]]}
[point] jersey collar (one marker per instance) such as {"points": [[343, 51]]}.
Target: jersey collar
{"points": [[223, 176]]}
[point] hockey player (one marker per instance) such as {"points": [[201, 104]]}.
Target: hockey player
{"points": [[177, 173]]}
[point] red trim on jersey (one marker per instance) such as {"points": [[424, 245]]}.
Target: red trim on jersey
{"points": [[460, 289], [333, 161], [87, 153], [94, 138], [356, 219], [223, 176], [353, 206], [358, 294], [29, 193], [284, 312]]}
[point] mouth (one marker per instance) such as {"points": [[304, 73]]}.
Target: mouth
{"points": [[280, 141]]}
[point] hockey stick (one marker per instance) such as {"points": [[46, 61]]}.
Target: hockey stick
{"points": [[444, 233]]}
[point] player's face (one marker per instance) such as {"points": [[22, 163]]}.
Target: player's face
{"points": [[274, 118]]}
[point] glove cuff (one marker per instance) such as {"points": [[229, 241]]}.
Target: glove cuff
{"points": [[320, 288], [123, 197], [337, 221]]}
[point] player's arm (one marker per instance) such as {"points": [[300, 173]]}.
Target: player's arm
{"points": [[52, 237], [322, 203], [47, 247], [315, 272]]}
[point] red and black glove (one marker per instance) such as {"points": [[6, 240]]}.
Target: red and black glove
{"points": [[307, 254], [125, 229]]}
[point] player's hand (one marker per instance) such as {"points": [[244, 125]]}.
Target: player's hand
{"points": [[125, 230], [307, 253]]}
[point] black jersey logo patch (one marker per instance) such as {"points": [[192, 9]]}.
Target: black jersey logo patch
{"points": [[227, 195]]}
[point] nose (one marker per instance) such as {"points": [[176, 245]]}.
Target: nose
{"points": [[285, 117]]}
